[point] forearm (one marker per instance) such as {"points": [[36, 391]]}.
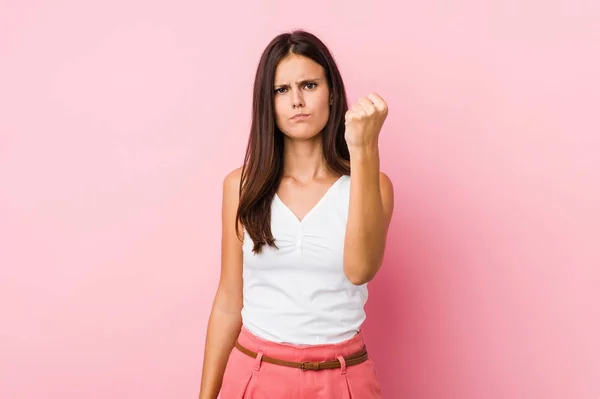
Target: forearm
{"points": [[222, 332], [365, 230]]}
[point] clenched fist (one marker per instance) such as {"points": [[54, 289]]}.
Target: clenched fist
{"points": [[364, 121]]}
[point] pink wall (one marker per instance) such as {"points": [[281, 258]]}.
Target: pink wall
{"points": [[119, 120]]}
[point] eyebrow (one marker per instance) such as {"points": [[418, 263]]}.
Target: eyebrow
{"points": [[302, 82]]}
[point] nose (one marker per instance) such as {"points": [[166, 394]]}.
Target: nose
{"points": [[297, 100]]}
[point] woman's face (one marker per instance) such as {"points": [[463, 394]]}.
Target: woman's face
{"points": [[300, 87]]}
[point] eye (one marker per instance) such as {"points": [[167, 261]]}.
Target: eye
{"points": [[277, 91], [313, 84]]}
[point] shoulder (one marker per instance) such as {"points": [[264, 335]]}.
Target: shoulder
{"points": [[231, 189], [231, 199], [231, 183]]}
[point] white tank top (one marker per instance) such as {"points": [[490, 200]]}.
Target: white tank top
{"points": [[299, 293]]}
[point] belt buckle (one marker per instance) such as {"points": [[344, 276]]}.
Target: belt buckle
{"points": [[309, 366]]}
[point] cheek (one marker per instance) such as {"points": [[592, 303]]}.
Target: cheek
{"points": [[277, 109], [322, 105]]}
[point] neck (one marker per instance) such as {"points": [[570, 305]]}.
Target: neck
{"points": [[303, 160]]}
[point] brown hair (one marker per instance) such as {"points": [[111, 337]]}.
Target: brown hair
{"points": [[263, 164]]}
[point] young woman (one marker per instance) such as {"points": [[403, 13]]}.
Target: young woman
{"points": [[305, 221]]}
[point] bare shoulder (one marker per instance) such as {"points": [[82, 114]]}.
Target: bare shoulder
{"points": [[231, 183], [387, 195], [231, 200]]}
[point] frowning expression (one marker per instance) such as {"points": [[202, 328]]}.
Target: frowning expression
{"points": [[301, 97]]}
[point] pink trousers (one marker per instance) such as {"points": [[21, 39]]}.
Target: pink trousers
{"points": [[250, 378]]}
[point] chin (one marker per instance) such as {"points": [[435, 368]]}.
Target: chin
{"points": [[302, 135]]}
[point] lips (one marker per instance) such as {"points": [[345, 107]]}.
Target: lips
{"points": [[300, 116]]}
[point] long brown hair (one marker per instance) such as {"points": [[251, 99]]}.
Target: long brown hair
{"points": [[263, 164]]}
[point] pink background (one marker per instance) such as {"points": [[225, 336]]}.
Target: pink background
{"points": [[120, 119]]}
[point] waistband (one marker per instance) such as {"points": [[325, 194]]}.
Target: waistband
{"points": [[300, 353]]}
